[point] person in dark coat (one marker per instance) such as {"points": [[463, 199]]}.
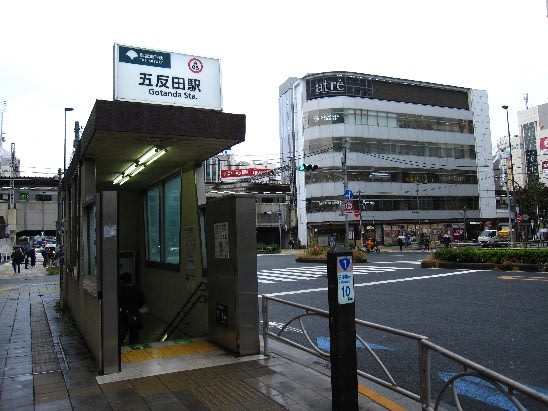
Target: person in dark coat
{"points": [[32, 256], [44, 253], [17, 258], [130, 300], [27, 257]]}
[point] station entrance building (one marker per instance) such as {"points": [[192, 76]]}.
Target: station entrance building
{"points": [[130, 201]]}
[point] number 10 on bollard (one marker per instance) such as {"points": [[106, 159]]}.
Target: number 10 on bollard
{"points": [[345, 281]]}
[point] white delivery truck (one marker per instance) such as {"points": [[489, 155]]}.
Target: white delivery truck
{"points": [[494, 238]]}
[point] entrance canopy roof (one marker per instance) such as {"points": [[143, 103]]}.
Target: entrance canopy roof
{"points": [[118, 133]]}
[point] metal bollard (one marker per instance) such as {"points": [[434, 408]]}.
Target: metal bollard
{"points": [[342, 329]]}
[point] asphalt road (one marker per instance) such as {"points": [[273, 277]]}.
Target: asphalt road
{"points": [[494, 318]]}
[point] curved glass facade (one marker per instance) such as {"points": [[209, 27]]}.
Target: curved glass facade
{"points": [[388, 175], [395, 203], [386, 119], [377, 146]]}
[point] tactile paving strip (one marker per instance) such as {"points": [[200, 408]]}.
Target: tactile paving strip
{"points": [[146, 352], [232, 395]]}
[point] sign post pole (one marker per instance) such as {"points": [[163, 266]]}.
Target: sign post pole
{"points": [[342, 329]]}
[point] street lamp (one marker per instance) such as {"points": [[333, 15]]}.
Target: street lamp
{"points": [[510, 165], [65, 145], [510, 179]]}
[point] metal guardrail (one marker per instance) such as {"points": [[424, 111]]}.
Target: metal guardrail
{"points": [[506, 386]]}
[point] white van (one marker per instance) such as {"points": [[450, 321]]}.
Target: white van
{"points": [[489, 238]]}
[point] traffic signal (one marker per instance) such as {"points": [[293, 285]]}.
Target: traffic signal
{"points": [[308, 167]]}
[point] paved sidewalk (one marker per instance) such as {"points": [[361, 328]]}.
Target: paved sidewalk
{"points": [[46, 366]]}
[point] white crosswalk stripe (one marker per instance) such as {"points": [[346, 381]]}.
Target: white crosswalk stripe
{"points": [[292, 274]]}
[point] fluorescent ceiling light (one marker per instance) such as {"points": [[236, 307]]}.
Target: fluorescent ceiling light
{"points": [[130, 169], [145, 157], [138, 165], [137, 170], [124, 179], [156, 156]]}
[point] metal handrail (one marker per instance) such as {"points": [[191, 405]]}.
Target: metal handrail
{"points": [[197, 295], [505, 385]]}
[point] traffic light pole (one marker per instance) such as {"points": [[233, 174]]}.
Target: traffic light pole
{"points": [[360, 228], [345, 183]]}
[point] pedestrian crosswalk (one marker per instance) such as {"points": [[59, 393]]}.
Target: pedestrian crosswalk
{"points": [[293, 274]]}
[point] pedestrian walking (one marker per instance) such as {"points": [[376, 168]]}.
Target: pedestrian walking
{"points": [[17, 258], [44, 253], [27, 256], [32, 255]]}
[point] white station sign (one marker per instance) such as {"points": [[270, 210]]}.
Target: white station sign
{"points": [[159, 77]]}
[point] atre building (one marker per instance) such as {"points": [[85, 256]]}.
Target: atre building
{"points": [[416, 157]]}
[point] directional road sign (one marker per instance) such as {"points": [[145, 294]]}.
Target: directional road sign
{"points": [[348, 206]]}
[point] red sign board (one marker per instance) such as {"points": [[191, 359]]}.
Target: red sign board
{"points": [[519, 218], [458, 233], [349, 206], [242, 172]]}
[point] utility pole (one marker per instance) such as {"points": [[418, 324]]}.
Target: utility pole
{"points": [[12, 177], [510, 179], [77, 129], [2, 109], [345, 184], [418, 211], [360, 208], [280, 224], [464, 232]]}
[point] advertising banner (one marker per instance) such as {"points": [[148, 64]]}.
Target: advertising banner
{"points": [[159, 77], [242, 172], [458, 233]]}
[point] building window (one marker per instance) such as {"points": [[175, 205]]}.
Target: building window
{"points": [[408, 175], [163, 221], [394, 203], [385, 119], [153, 223], [172, 213], [89, 241], [391, 147]]}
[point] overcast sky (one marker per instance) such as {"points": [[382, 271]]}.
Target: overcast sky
{"points": [[60, 54]]}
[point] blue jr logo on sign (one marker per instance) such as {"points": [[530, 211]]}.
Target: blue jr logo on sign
{"points": [[344, 263], [345, 279]]}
